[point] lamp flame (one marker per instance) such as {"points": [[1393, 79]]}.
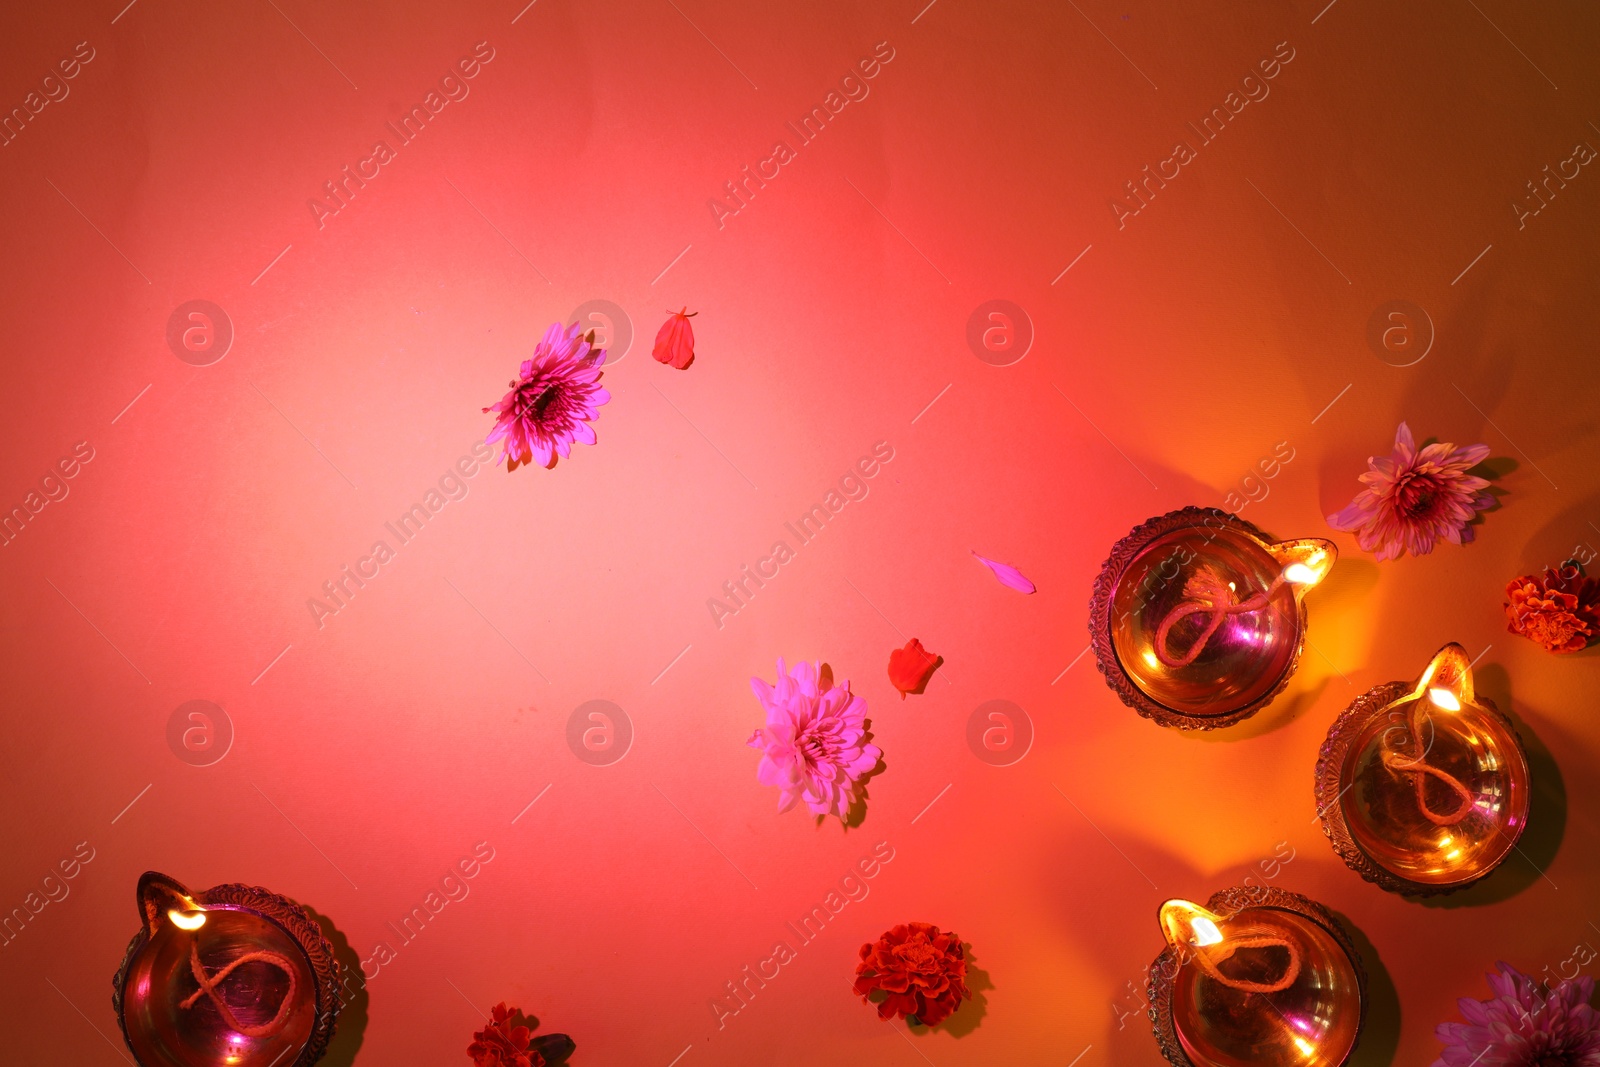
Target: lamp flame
{"points": [[1304, 563], [1447, 679], [1444, 699], [1299, 574], [191, 920], [1187, 925]]}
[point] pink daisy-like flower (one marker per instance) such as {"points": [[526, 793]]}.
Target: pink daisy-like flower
{"points": [[1413, 498], [555, 397], [814, 747], [1519, 1027]]}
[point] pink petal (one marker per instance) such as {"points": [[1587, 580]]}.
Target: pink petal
{"points": [[1353, 517], [1404, 443], [1008, 575]]}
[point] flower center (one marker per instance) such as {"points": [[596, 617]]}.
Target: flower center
{"points": [[1415, 494], [1559, 1055], [917, 957], [549, 395]]}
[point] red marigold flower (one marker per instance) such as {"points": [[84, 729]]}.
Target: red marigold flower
{"points": [[921, 971], [911, 667], [1557, 612], [502, 1045], [675, 340]]}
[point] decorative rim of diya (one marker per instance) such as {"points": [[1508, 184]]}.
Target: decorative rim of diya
{"points": [[1330, 762], [1158, 988], [1125, 552], [293, 919]]}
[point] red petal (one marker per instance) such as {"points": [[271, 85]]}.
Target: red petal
{"points": [[911, 667], [675, 341]]}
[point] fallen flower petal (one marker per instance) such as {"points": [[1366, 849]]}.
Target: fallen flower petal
{"points": [[911, 667], [675, 340], [1007, 574]]}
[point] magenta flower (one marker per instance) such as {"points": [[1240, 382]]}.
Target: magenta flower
{"points": [[557, 394], [1518, 1027], [814, 747], [1413, 498]]}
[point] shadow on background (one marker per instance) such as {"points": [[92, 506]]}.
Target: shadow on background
{"points": [[1380, 1033], [555, 1048], [1297, 698], [1570, 534], [970, 1015], [352, 1024]]}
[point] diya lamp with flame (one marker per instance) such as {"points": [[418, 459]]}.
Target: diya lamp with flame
{"points": [[234, 976], [1197, 619], [1259, 977], [1423, 787]]}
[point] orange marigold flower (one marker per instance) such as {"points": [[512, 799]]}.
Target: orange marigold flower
{"points": [[1556, 612]]}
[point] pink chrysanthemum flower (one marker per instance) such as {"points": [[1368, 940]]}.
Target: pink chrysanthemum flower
{"points": [[1413, 498], [814, 746], [555, 397], [1519, 1027]]}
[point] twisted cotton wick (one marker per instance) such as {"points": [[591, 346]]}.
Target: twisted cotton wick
{"points": [[1206, 593], [1210, 957], [209, 983], [1420, 770]]}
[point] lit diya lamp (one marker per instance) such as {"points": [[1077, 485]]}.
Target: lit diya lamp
{"points": [[1197, 620], [1260, 977], [1423, 787], [231, 976]]}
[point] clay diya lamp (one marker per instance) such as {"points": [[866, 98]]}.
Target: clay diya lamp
{"points": [[1197, 619], [1259, 977], [1423, 787], [233, 976]]}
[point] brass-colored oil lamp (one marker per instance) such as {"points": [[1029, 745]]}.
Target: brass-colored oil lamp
{"points": [[1423, 787], [1197, 619], [231, 977], [1259, 977]]}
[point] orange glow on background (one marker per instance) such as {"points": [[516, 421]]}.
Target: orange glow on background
{"points": [[175, 700]]}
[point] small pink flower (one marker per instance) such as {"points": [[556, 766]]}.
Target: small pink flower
{"points": [[1520, 1027], [814, 747], [551, 404], [1413, 498]]}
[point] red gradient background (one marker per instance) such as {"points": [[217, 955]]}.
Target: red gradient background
{"points": [[1178, 351]]}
